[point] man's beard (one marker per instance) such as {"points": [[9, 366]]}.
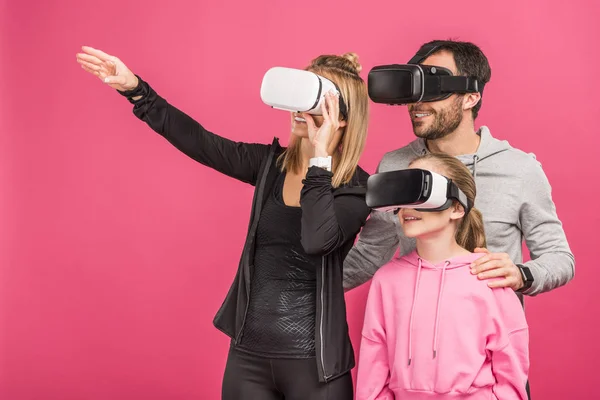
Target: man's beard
{"points": [[444, 122]]}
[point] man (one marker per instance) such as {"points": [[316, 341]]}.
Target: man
{"points": [[513, 192]]}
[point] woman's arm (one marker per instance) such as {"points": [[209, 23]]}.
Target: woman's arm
{"points": [[238, 160], [329, 221]]}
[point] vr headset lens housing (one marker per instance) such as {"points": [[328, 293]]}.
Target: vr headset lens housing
{"points": [[420, 189], [297, 90], [397, 84]]}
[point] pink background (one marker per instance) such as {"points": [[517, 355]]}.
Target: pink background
{"points": [[116, 250]]}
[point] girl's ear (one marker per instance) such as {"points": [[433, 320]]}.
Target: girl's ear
{"points": [[458, 211]]}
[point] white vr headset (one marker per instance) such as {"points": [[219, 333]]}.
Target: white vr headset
{"points": [[297, 90], [420, 189]]}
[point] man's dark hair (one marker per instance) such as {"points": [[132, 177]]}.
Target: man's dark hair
{"points": [[469, 60]]}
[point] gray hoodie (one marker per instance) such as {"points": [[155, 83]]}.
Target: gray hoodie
{"points": [[515, 198]]}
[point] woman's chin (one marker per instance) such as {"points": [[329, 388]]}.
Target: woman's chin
{"points": [[300, 132]]}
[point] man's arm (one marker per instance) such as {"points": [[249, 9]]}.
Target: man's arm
{"points": [[552, 262], [376, 245]]}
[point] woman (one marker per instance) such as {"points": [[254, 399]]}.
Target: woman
{"points": [[285, 311], [432, 329]]}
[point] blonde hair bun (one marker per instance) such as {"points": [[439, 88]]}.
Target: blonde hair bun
{"points": [[353, 58]]}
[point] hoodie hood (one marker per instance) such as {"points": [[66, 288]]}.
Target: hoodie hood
{"points": [[451, 263], [488, 147], [415, 260]]}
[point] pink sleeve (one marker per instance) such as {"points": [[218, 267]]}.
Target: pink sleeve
{"points": [[373, 365], [509, 346], [510, 365]]}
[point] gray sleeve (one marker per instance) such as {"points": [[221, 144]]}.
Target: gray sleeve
{"points": [[552, 262], [376, 245]]}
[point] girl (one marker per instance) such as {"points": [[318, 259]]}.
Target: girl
{"points": [[432, 329], [285, 311]]}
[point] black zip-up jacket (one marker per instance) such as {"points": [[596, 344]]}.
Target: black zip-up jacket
{"points": [[331, 219]]}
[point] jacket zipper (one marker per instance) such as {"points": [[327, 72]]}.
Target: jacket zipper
{"points": [[256, 216], [322, 346]]}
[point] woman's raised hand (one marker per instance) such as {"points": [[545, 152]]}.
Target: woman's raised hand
{"points": [[109, 69]]}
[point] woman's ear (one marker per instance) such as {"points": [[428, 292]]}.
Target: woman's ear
{"points": [[343, 123]]}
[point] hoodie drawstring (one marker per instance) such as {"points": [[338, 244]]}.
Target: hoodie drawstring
{"points": [[437, 312], [412, 312], [475, 159]]}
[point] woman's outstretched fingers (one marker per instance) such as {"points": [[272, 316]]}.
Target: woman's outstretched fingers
{"points": [[108, 68], [91, 71], [97, 53], [89, 58], [89, 65]]}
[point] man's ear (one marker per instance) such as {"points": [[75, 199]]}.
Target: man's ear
{"points": [[470, 100]]}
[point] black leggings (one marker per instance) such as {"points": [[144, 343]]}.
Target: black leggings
{"points": [[249, 377]]}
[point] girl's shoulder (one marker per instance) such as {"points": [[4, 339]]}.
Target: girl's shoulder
{"points": [[394, 267]]}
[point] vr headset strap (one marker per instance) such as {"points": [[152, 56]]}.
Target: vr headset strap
{"points": [[423, 54], [448, 84], [318, 94], [458, 84], [343, 106], [455, 193]]}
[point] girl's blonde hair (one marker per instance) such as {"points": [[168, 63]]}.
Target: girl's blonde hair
{"points": [[470, 233], [344, 72]]}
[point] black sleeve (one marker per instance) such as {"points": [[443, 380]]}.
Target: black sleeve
{"points": [[238, 160], [328, 221]]}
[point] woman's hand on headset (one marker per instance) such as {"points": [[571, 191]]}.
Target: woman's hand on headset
{"points": [[109, 69], [320, 137]]}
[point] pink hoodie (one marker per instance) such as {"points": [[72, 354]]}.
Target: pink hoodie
{"points": [[436, 331]]}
